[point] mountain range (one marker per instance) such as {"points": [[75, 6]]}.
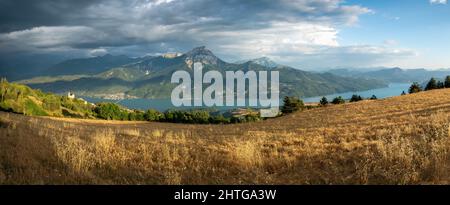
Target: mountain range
{"points": [[89, 65], [393, 75], [120, 77], [264, 61]]}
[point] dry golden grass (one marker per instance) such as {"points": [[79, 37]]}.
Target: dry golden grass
{"points": [[401, 140]]}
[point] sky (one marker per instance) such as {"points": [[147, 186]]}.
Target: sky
{"points": [[306, 34]]}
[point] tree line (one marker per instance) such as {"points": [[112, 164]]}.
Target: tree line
{"points": [[112, 111], [293, 104], [431, 85]]}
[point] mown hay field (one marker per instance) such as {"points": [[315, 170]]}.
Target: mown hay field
{"points": [[399, 140]]}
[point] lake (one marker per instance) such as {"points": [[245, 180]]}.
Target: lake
{"points": [[394, 89]]}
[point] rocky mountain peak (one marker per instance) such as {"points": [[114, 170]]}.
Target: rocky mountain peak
{"points": [[201, 54]]}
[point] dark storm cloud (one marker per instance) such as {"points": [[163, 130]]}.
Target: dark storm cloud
{"points": [[138, 27], [23, 14]]}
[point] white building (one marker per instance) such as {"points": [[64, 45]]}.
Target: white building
{"points": [[71, 95]]}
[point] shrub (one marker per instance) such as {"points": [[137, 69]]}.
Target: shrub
{"points": [[110, 111], [31, 108], [200, 116], [136, 115], [324, 101], [432, 84], [179, 116], [356, 98], [219, 119], [153, 115], [51, 103], [291, 104], [415, 88], [68, 103], [440, 85], [252, 118], [338, 100], [447, 82], [375, 97]]}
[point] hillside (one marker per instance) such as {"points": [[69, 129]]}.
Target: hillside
{"points": [[150, 78], [399, 140], [88, 66], [19, 98], [264, 61]]}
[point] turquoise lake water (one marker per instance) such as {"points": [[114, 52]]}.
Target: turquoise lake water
{"points": [[393, 89]]}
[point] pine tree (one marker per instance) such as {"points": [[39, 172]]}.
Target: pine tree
{"points": [[432, 84], [338, 100], [415, 88], [440, 85], [355, 98], [324, 101], [447, 82], [291, 104]]}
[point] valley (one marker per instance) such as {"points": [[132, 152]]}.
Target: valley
{"points": [[149, 77], [398, 140]]}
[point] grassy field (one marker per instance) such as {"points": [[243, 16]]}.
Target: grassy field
{"points": [[400, 140]]}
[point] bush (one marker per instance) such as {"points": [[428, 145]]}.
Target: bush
{"points": [[153, 115], [219, 119], [432, 84], [179, 116], [136, 115], [324, 101], [110, 111], [200, 116], [33, 109], [252, 118], [440, 85], [375, 97], [245, 118], [447, 82], [356, 98], [338, 100], [51, 103], [415, 88], [68, 103], [291, 104]]}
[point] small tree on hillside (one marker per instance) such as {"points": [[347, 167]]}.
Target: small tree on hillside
{"points": [[440, 85], [373, 97], [415, 88], [447, 82], [324, 101], [432, 84], [110, 111], [356, 98], [338, 100], [403, 93], [153, 115], [291, 104]]}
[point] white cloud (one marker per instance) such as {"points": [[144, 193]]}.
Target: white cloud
{"points": [[277, 39], [46, 38], [390, 42], [266, 26], [296, 32], [352, 56], [438, 1], [98, 52]]}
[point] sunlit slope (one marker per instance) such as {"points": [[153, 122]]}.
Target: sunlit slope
{"points": [[396, 110], [400, 140]]}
